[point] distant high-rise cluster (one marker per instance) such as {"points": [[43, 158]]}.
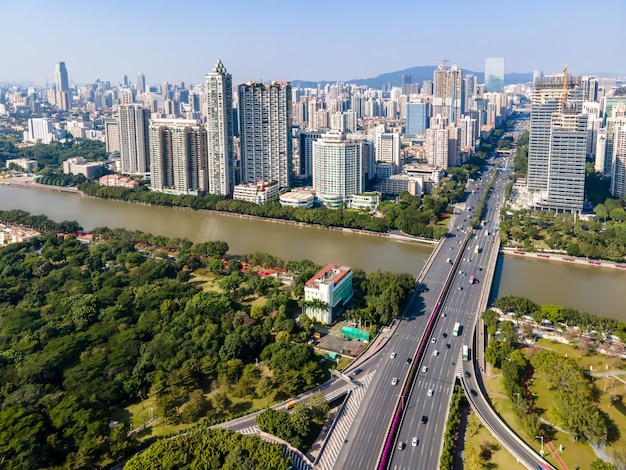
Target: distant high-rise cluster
{"points": [[225, 140]]}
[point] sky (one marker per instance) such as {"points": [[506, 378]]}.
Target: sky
{"points": [[297, 40]]}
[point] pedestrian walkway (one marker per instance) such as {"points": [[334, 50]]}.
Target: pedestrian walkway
{"points": [[338, 434], [555, 453]]}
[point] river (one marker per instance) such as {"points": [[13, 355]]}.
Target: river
{"points": [[591, 289]]}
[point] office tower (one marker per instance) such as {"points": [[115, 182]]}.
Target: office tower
{"points": [[134, 153], [60, 77], [537, 74], [337, 168], [548, 95], [440, 86], [406, 82], [494, 75], [219, 104], [265, 132], [141, 83], [567, 157], [124, 80], [417, 118], [178, 155], [470, 92], [112, 135], [306, 151]]}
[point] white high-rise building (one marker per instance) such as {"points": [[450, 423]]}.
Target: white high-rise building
{"points": [[616, 148], [178, 152], [337, 168], [40, 130], [566, 162], [387, 146], [141, 83], [133, 128], [265, 133], [219, 104], [437, 147], [547, 98]]}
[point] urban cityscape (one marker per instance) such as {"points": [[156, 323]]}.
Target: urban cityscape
{"points": [[417, 270]]}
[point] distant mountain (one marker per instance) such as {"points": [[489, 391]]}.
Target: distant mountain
{"points": [[418, 75]]}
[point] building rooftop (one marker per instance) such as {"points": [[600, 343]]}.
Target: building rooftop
{"points": [[331, 273]]}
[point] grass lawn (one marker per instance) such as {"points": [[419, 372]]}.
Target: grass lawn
{"points": [[575, 454], [480, 436]]}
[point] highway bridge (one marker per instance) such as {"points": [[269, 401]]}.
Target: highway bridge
{"points": [[396, 410]]}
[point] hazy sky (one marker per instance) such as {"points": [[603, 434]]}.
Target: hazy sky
{"points": [[288, 40]]}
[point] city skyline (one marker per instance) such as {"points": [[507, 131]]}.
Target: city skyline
{"points": [[91, 48]]}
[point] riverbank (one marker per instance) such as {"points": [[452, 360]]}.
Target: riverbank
{"points": [[28, 182], [563, 259]]}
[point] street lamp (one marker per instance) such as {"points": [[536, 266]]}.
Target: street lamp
{"points": [[540, 437]]}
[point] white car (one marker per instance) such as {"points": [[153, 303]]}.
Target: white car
{"points": [[414, 442], [424, 368], [430, 392], [436, 353], [434, 340], [394, 381], [393, 355]]}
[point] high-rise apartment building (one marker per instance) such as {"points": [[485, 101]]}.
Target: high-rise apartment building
{"points": [[548, 96], [133, 128], [219, 104], [60, 78], [494, 75], [618, 178], [448, 93], [178, 155], [437, 147], [337, 168], [112, 135], [387, 146], [265, 132], [614, 153]]}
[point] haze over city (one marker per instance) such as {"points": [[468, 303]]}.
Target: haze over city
{"points": [[322, 40]]}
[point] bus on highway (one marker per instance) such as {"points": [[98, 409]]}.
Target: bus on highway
{"points": [[465, 352], [290, 404], [457, 327]]}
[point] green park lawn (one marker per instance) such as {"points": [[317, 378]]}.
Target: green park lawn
{"points": [[481, 437], [575, 454]]}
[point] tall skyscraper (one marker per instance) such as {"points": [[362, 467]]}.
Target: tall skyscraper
{"points": [[494, 75], [448, 92], [615, 158], [417, 118], [178, 155], [141, 83], [567, 157], [60, 77], [265, 132], [134, 153], [219, 104], [337, 168], [548, 95]]}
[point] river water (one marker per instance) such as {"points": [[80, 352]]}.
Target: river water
{"points": [[591, 289]]}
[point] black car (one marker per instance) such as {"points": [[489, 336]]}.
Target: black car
{"points": [[445, 335], [408, 360], [424, 419], [473, 392], [467, 374], [448, 345], [357, 371]]}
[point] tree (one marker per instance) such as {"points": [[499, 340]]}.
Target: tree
{"points": [[599, 464], [197, 407], [221, 402]]}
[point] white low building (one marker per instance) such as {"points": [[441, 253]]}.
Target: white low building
{"points": [[331, 290], [258, 193], [297, 199], [365, 201]]}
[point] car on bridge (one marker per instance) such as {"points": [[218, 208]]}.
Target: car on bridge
{"points": [[415, 441], [424, 419], [394, 381], [393, 355], [424, 368]]}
